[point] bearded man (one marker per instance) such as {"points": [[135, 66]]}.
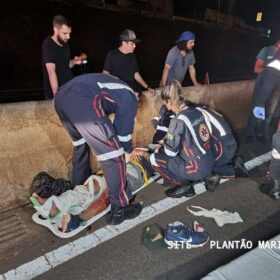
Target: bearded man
{"points": [[179, 59], [56, 61]]}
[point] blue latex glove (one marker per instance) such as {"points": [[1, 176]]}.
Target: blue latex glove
{"points": [[259, 112]]}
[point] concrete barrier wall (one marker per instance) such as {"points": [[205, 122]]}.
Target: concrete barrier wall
{"points": [[33, 140]]}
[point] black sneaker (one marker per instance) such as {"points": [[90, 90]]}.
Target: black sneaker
{"points": [[180, 191], [133, 210], [132, 199], [212, 181], [118, 214]]}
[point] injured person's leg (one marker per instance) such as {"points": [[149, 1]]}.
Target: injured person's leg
{"points": [[53, 211], [71, 222]]}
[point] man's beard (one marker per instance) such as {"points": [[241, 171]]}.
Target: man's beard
{"points": [[187, 50], [61, 41]]}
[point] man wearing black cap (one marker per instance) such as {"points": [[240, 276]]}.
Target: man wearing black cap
{"points": [[179, 59], [122, 62]]}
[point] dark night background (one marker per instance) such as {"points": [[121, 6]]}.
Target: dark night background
{"points": [[225, 52], [246, 9]]}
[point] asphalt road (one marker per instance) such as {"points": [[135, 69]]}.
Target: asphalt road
{"points": [[124, 256]]}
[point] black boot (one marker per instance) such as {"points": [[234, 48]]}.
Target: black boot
{"points": [[185, 189], [239, 167], [272, 189], [118, 214], [212, 181]]}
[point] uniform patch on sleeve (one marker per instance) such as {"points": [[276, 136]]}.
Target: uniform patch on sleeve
{"points": [[204, 132], [170, 136]]}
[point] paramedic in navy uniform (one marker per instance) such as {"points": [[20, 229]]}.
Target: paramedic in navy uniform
{"points": [[83, 105], [186, 155]]}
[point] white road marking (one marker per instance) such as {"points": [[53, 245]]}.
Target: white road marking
{"points": [[64, 253]]}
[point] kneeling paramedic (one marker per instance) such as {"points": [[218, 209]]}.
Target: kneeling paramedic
{"points": [[186, 154]]}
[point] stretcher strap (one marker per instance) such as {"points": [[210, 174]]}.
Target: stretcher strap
{"points": [[146, 180]]}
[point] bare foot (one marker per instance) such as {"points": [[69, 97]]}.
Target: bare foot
{"points": [[65, 221], [96, 186], [39, 198]]}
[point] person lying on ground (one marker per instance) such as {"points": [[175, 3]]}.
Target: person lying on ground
{"points": [[80, 203], [59, 199]]}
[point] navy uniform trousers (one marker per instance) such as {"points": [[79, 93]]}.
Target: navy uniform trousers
{"points": [[179, 170], [84, 119]]}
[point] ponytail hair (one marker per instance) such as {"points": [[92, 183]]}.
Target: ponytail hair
{"points": [[174, 93]]}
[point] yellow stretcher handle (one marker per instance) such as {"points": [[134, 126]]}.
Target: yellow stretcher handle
{"points": [[146, 180]]}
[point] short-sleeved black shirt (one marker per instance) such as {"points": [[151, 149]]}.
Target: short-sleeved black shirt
{"points": [[60, 56], [123, 66]]}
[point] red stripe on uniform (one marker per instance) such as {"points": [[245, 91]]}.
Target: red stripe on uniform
{"points": [[195, 167], [122, 166], [165, 176], [95, 100], [161, 160], [228, 177], [221, 148], [185, 148]]}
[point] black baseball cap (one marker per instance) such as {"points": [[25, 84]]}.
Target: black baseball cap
{"points": [[128, 35]]}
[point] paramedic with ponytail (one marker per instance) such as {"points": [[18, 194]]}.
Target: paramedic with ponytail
{"points": [[186, 154], [83, 106]]}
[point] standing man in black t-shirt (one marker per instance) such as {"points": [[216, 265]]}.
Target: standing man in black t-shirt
{"points": [[56, 61], [122, 62]]}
